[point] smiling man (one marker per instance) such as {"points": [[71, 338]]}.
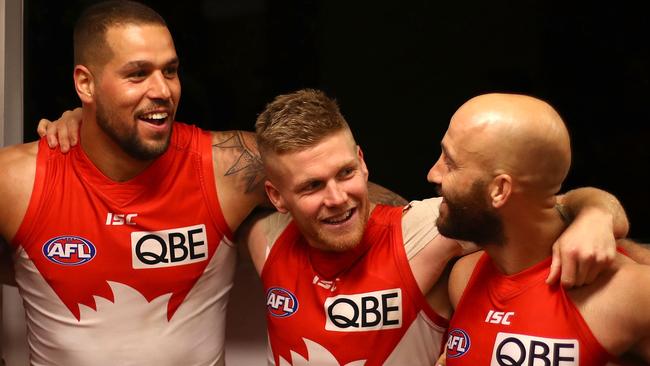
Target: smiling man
{"points": [[350, 282], [123, 251]]}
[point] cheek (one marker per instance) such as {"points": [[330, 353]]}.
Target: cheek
{"points": [[307, 206]]}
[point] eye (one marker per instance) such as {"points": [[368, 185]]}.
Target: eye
{"points": [[137, 75], [170, 72], [347, 172], [310, 186]]}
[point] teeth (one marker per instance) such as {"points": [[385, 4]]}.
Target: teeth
{"points": [[160, 115], [340, 218]]}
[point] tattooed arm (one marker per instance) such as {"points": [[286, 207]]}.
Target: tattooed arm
{"points": [[238, 174], [380, 194]]}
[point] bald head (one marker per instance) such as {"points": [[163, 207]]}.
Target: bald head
{"points": [[517, 135]]}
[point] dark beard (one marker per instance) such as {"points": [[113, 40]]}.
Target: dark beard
{"points": [[471, 218], [127, 139]]}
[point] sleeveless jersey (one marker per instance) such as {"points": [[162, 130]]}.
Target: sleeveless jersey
{"points": [[519, 320], [130, 273], [370, 313]]}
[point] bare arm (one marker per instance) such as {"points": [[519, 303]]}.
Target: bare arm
{"points": [[640, 253], [588, 245], [380, 194], [239, 175]]}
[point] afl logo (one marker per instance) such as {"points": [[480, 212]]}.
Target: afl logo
{"points": [[69, 250], [458, 343], [280, 302]]}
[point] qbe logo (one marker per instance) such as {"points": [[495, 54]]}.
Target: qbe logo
{"points": [[363, 312], [69, 250], [168, 248], [281, 303], [519, 350], [458, 343]]}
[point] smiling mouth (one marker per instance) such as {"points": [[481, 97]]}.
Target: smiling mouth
{"points": [[339, 219], [155, 118]]}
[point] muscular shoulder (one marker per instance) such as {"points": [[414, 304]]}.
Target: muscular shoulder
{"points": [[611, 304], [238, 173], [460, 275], [236, 155], [19, 169]]}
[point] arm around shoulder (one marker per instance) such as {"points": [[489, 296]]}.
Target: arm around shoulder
{"points": [[238, 174]]}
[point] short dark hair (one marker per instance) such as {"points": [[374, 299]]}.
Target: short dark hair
{"points": [[299, 120], [89, 35]]}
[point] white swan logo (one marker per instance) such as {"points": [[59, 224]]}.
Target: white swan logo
{"points": [[317, 355]]}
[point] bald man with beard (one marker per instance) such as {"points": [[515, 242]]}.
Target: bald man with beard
{"points": [[504, 157]]}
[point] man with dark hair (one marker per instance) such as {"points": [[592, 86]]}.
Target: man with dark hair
{"points": [[155, 232], [504, 157], [348, 282], [123, 251]]}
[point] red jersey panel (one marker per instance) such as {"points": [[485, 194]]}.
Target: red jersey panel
{"points": [[519, 320], [371, 312], [126, 273]]}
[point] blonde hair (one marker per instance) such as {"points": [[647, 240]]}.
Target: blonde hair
{"points": [[295, 121]]}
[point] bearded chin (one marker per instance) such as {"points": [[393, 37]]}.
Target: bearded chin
{"points": [[470, 218], [126, 137]]}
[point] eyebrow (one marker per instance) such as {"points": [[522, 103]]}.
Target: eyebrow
{"points": [[446, 153], [142, 63]]}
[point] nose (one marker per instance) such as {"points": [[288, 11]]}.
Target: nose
{"points": [[159, 86], [335, 195], [435, 173]]}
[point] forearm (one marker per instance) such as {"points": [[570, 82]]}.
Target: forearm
{"points": [[585, 201]]}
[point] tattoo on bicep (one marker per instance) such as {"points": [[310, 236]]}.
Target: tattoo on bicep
{"points": [[247, 163], [389, 198]]}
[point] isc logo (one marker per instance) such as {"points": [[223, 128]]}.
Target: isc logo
{"points": [[281, 303], [458, 343], [499, 317], [518, 350], [120, 219], [168, 248], [363, 312], [69, 250]]}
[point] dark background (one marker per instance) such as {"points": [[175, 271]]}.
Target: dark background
{"points": [[399, 69]]}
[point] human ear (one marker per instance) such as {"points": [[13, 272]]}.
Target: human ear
{"points": [[275, 197], [84, 83], [500, 190], [362, 163]]}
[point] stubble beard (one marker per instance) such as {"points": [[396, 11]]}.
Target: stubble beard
{"points": [[127, 138], [349, 241]]}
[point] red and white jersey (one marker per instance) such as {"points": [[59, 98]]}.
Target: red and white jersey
{"points": [[519, 320], [370, 312], [130, 273]]}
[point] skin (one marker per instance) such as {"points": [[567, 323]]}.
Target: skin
{"points": [[324, 190], [142, 78], [118, 96], [522, 178]]}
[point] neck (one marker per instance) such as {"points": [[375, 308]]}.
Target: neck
{"points": [[107, 155], [529, 238]]}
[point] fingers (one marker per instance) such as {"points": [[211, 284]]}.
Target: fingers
{"points": [[556, 264], [71, 121], [46, 128], [442, 361], [42, 127], [569, 268], [582, 268]]}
